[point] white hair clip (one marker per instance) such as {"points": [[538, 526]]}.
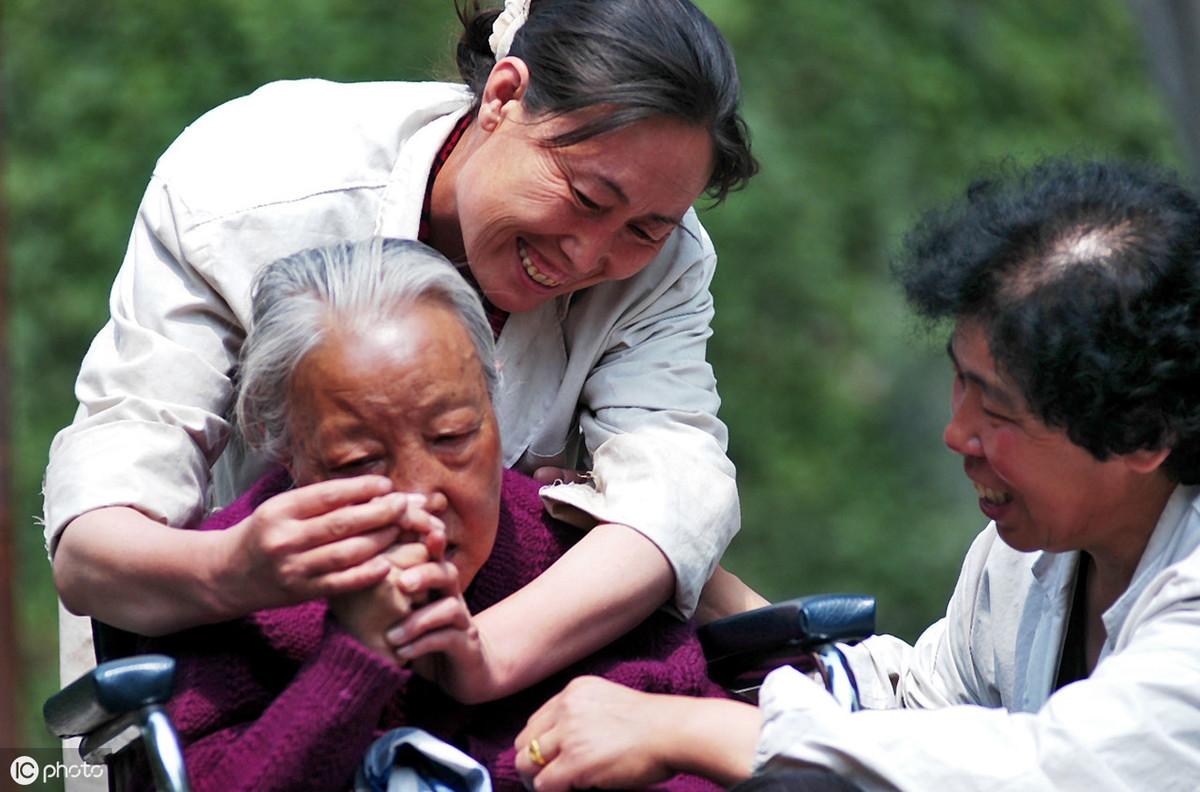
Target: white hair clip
{"points": [[506, 26]]}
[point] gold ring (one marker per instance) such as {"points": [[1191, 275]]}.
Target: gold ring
{"points": [[535, 753]]}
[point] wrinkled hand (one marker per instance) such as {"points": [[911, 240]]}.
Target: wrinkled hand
{"points": [[368, 613], [600, 734], [441, 638], [317, 541]]}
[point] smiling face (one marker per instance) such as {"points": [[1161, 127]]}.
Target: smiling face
{"points": [[405, 399], [1043, 491], [538, 221]]}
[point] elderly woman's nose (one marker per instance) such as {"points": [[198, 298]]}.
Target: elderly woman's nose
{"points": [[437, 503], [420, 478]]}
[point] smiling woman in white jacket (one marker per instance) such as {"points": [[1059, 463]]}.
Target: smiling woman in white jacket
{"points": [[1067, 659], [560, 178]]}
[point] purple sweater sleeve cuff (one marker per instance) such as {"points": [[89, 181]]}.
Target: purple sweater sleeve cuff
{"points": [[314, 734], [349, 672]]}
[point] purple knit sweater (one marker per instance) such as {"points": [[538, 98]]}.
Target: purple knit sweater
{"points": [[286, 699]]}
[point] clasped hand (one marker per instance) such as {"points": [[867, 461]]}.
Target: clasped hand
{"points": [[375, 554], [416, 612]]}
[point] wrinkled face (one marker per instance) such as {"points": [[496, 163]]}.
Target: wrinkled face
{"points": [[538, 222], [1043, 491], [405, 399]]}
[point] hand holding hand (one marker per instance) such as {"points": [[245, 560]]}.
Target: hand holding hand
{"points": [[367, 613], [317, 541], [600, 734], [441, 638], [597, 733]]}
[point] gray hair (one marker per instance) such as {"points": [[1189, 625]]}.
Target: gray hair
{"points": [[296, 302]]}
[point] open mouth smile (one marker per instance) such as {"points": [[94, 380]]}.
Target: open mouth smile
{"points": [[532, 271], [994, 497]]}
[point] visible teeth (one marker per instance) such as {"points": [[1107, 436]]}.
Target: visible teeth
{"points": [[991, 495], [533, 271]]}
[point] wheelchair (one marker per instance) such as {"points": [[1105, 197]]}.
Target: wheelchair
{"points": [[118, 708]]}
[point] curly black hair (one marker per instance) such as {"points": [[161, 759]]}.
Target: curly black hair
{"points": [[1085, 277]]}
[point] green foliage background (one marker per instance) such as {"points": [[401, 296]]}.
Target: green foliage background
{"points": [[862, 113]]}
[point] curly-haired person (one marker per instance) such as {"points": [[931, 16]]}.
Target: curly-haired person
{"points": [[1069, 656]]}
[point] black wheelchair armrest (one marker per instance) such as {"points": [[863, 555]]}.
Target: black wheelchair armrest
{"points": [[109, 691], [742, 649]]}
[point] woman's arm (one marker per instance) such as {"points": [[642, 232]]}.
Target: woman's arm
{"points": [[648, 413], [1116, 730], [122, 567], [603, 586], [153, 391], [606, 584], [943, 668], [600, 734], [155, 386], [725, 595]]}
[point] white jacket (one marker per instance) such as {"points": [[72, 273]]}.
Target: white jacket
{"points": [[1134, 724], [303, 164]]}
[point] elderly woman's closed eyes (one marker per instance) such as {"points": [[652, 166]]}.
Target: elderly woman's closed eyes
{"points": [[404, 399]]}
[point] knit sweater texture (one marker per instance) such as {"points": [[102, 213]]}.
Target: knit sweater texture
{"points": [[285, 699]]}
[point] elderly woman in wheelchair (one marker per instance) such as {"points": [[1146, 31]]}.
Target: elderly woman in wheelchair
{"points": [[366, 376]]}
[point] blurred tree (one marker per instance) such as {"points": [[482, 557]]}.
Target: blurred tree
{"points": [[862, 114], [9, 656], [1171, 29]]}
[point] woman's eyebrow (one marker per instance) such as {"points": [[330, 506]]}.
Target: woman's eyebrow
{"points": [[993, 391], [624, 199]]}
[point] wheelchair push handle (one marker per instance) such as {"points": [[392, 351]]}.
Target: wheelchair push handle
{"points": [[108, 691], [117, 703], [742, 649]]}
